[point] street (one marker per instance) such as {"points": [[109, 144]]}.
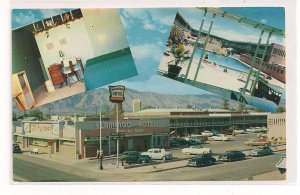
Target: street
{"points": [[41, 168]]}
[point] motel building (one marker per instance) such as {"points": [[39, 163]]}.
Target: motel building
{"points": [[77, 138]]}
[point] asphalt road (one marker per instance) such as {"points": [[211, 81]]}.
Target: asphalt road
{"points": [[29, 168], [226, 171]]}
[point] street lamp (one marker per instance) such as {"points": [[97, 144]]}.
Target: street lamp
{"points": [[100, 140]]}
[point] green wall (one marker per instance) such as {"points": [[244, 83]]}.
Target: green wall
{"points": [[25, 56]]}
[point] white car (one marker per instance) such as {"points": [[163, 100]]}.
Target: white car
{"points": [[252, 130], [196, 150], [220, 137], [207, 133], [239, 131], [157, 153]]}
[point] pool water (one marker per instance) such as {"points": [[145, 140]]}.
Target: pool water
{"points": [[223, 61]]}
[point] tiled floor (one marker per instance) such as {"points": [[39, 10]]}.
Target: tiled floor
{"points": [[42, 96]]}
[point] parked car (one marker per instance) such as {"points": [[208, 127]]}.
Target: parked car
{"points": [[207, 133], [251, 130], [134, 157], [193, 141], [196, 150], [262, 135], [261, 151], [157, 153], [183, 142], [258, 142], [174, 143], [226, 132], [16, 148], [201, 160], [232, 155], [220, 137], [239, 131], [215, 132], [201, 138], [256, 129]]}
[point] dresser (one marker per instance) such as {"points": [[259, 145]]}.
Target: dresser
{"points": [[56, 74]]}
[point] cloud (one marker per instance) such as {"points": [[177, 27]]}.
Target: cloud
{"points": [[142, 52], [152, 19], [149, 26], [46, 13]]}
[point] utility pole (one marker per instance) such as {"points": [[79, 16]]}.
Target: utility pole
{"points": [[117, 111], [100, 140]]}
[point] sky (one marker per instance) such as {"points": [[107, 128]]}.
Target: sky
{"points": [[147, 32]]}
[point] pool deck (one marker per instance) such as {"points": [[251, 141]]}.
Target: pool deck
{"points": [[213, 75]]}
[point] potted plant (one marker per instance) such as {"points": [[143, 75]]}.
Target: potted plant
{"points": [[180, 56]]}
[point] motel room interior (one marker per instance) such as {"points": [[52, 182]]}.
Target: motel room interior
{"points": [[68, 54]]}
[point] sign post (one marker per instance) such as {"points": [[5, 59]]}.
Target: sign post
{"points": [[117, 96]]}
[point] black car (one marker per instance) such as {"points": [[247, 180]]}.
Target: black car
{"points": [[134, 157], [174, 143], [183, 142], [16, 148], [215, 132], [232, 155], [201, 160]]}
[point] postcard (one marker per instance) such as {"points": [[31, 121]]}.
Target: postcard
{"points": [[153, 128]]}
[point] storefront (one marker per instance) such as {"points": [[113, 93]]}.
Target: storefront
{"points": [[140, 135], [81, 139]]}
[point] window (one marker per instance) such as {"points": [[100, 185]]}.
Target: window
{"points": [[62, 41], [49, 46], [57, 20]]}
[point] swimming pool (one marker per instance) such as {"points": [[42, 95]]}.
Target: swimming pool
{"points": [[223, 61]]}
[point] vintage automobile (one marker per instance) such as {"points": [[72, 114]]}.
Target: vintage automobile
{"points": [[196, 150], [220, 137], [134, 157], [261, 151], [201, 160], [232, 155], [252, 130], [157, 153], [258, 142], [215, 132], [257, 129], [174, 142], [262, 135], [194, 141], [239, 131], [207, 133], [16, 148]]}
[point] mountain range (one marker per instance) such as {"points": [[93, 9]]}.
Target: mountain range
{"points": [[89, 102]]}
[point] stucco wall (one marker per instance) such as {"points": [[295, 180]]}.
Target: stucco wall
{"points": [[77, 43]]}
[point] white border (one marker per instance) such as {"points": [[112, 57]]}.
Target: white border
{"points": [[256, 187]]}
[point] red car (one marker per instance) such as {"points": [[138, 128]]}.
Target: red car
{"points": [[258, 142]]}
